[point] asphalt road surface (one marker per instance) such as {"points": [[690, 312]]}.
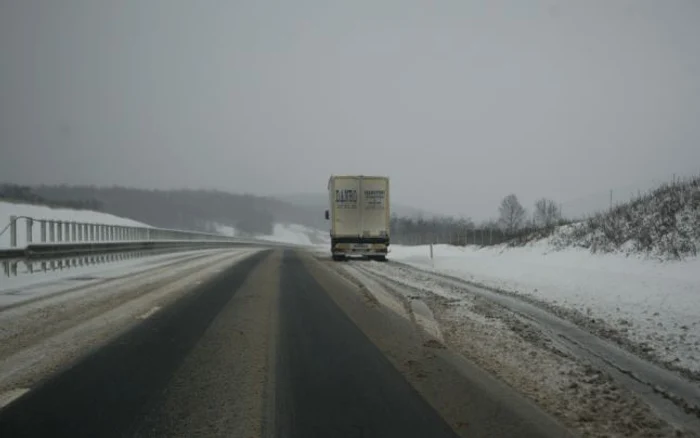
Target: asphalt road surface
{"points": [[277, 345]]}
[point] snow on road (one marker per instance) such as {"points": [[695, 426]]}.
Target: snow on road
{"points": [[653, 304], [8, 209]]}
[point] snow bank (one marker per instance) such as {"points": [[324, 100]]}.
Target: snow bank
{"points": [[8, 209], [652, 303]]}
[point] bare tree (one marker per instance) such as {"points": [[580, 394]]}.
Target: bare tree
{"points": [[546, 213], [512, 214]]}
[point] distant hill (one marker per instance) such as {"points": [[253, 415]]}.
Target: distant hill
{"points": [[189, 209], [319, 202]]}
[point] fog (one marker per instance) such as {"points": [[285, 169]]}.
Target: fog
{"points": [[459, 102]]}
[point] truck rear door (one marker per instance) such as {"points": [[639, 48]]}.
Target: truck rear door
{"points": [[345, 197], [374, 201]]}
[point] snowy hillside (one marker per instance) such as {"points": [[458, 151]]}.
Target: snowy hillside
{"points": [[664, 223], [8, 209], [632, 274]]}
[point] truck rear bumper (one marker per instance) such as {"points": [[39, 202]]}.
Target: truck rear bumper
{"points": [[360, 249]]}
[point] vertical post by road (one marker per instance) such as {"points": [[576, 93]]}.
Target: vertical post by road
{"points": [[59, 231], [13, 231], [73, 232], [30, 229], [52, 231], [42, 230]]}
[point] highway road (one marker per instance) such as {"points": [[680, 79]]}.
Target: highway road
{"points": [[270, 343]]}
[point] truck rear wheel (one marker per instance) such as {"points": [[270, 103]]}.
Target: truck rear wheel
{"points": [[380, 258], [338, 258]]}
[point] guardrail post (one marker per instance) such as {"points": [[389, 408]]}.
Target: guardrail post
{"points": [[80, 231], [66, 232], [73, 234], [42, 230], [59, 231], [13, 231], [52, 232], [30, 229]]}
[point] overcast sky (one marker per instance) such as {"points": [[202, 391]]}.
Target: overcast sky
{"points": [[459, 102]]}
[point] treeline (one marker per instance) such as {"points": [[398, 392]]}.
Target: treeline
{"points": [[513, 225], [27, 195]]}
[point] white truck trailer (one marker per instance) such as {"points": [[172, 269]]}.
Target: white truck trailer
{"points": [[359, 216]]}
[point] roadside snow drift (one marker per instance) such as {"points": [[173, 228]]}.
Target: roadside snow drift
{"points": [[652, 303]]}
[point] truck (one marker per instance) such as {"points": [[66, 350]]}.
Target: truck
{"points": [[359, 216]]}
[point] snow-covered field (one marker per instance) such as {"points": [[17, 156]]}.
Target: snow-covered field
{"points": [[297, 234], [8, 209], [286, 233], [654, 304]]}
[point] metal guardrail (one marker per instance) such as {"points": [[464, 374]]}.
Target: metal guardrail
{"points": [[65, 238]]}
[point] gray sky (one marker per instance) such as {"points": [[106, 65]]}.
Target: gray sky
{"points": [[459, 102]]}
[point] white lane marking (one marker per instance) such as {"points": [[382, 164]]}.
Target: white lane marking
{"points": [[8, 397], [150, 313]]}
